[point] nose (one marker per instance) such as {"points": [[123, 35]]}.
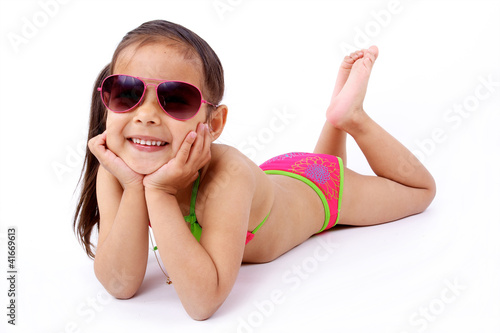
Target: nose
{"points": [[149, 111]]}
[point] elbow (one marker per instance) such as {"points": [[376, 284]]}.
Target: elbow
{"points": [[122, 294], [120, 287], [202, 312]]}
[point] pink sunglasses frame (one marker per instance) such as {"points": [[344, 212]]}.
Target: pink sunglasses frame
{"points": [[160, 81]]}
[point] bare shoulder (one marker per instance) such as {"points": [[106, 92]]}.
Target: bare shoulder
{"points": [[232, 178], [225, 153], [229, 162]]}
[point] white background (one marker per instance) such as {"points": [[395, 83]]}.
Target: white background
{"points": [[279, 57]]}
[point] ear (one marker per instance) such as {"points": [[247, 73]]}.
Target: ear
{"points": [[217, 121]]}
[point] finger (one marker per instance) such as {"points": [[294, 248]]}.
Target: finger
{"points": [[99, 138], [197, 148], [200, 153], [97, 144], [184, 151], [207, 144]]}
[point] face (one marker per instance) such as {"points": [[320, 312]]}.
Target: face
{"points": [[148, 121]]}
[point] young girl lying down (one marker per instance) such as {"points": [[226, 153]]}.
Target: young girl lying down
{"points": [[152, 164]]}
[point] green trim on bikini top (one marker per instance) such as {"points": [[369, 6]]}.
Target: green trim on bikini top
{"points": [[191, 218], [260, 225], [193, 221]]}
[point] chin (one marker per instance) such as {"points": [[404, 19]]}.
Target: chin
{"points": [[144, 169]]}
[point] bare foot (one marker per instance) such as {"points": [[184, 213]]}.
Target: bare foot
{"points": [[345, 70], [349, 101]]}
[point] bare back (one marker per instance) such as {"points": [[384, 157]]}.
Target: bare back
{"points": [[295, 210]]}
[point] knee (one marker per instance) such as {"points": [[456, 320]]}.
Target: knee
{"points": [[428, 194], [432, 190]]}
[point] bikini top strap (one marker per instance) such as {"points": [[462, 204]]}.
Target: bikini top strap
{"points": [[191, 218]]}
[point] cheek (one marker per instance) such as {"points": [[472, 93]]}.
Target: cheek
{"points": [[180, 135], [114, 135], [112, 142]]}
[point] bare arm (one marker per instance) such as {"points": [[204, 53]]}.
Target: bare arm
{"points": [[122, 248], [203, 273]]}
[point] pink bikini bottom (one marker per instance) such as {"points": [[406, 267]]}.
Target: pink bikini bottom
{"points": [[323, 173]]}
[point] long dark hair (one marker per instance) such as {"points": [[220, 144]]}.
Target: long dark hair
{"points": [[158, 31]]}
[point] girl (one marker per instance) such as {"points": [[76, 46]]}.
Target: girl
{"points": [[152, 163]]}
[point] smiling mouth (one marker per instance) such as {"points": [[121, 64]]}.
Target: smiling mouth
{"points": [[148, 142]]}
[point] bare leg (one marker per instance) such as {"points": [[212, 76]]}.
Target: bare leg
{"points": [[402, 186], [332, 141]]}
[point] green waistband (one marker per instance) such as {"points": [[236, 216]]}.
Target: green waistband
{"points": [[341, 188]]}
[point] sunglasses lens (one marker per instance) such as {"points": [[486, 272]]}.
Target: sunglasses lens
{"points": [[121, 93], [180, 100]]}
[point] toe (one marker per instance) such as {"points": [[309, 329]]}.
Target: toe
{"points": [[368, 61], [349, 59], [355, 55], [373, 50]]}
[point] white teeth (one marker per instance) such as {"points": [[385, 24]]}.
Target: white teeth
{"points": [[148, 142]]}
